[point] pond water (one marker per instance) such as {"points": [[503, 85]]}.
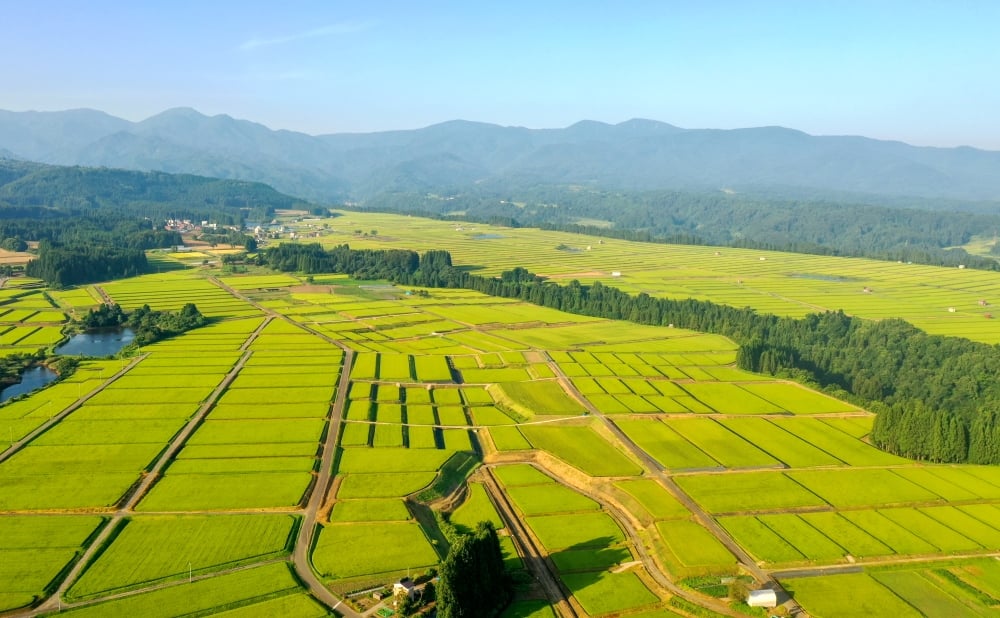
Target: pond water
{"points": [[487, 236], [97, 343], [32, 378]]}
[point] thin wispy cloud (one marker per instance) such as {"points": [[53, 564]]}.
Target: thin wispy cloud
{"points": [[348, 27]]}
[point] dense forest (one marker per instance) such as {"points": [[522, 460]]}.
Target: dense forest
{"points": [[64, 265], [817, 227], [33, 189], [936, 397]]}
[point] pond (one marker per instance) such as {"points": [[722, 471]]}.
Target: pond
{"points": [[103, 342], [487, 237], [32, 378]]}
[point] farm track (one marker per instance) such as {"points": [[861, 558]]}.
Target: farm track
{"points": [[317, 499], [17, 446], [160, 586], [105, 298], [533, 559], [147, 481], [660, 474], [840, 569], [651, 565]]}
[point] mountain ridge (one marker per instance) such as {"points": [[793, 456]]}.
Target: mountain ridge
{"points": [[634, 155]]}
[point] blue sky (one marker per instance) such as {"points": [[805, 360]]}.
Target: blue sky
{"points": [[921, 72]]}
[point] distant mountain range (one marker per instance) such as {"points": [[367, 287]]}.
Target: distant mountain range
{"points": [[633, 155]]}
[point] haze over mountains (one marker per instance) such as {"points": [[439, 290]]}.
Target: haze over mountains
{"points": [[633, 155]]}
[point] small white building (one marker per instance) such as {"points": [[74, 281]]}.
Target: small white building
{"points": [[616, 273], [405, 587], [762, 598]]}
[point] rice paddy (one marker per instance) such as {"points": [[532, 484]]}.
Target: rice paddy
{"points": [[452, 377]]}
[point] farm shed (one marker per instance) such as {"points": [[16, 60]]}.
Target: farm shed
{"points": [[762, 598]]}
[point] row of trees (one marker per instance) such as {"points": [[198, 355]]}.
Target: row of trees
{"points": [[910, 232], [941, 393]]}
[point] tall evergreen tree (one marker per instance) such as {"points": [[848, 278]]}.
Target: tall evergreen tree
{"points": [[473, 582]]}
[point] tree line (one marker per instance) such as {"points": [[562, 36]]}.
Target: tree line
{"points": [[936, 397], [814, 226]]}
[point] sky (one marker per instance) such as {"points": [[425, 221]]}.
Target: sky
{"points": [[917, 71]]}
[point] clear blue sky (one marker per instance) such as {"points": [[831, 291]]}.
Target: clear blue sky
{"points": [[923, 72]]}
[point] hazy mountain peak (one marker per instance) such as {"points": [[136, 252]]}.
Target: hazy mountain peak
{"points": [[178, 112], [645, 124]]}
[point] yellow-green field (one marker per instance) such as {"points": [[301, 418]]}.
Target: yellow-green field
{"points": [[627, 454]]}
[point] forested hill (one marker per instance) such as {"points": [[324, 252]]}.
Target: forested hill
{"points": [[95, 224], [27, 188], [636, 155]]}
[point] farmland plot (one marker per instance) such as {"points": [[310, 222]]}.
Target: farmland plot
{"points": [[152, 549]]}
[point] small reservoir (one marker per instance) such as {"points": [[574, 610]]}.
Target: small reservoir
{"points": [[32, 378], [103, 342]]}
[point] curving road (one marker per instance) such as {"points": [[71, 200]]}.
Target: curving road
{"points": [[660, 473]]}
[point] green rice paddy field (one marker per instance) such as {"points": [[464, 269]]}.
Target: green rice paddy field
{"points": [[592, 428]]}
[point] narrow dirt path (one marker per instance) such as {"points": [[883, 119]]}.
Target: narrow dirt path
{"points": [[161, 586], [659, 472], [140, 490], [105, 298], [838, 569], [19, 444]]}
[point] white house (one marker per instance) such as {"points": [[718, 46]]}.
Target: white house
{"points": [[762, 598], [405, 587]]}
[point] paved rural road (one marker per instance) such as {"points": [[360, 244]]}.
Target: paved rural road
{"points": [[307, 531], [304, 543], [700, 514]]}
